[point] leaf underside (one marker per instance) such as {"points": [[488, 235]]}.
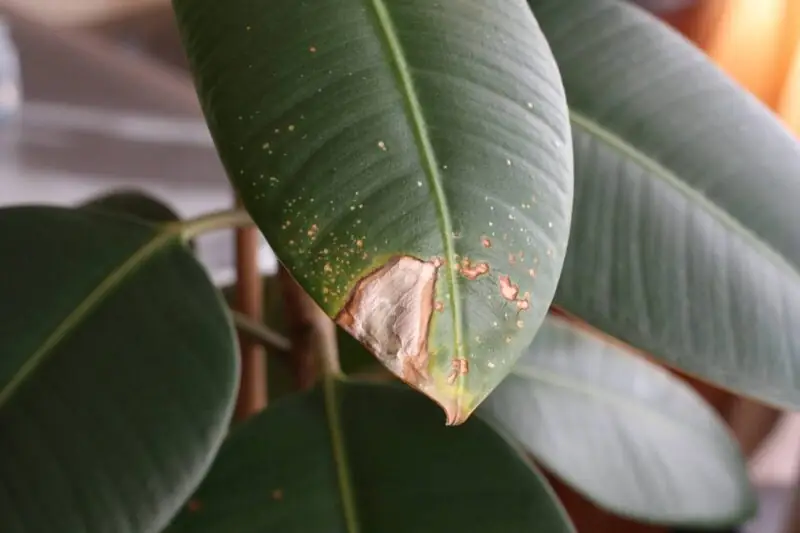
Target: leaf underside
{"points": [[684, 240], [625, 433]]}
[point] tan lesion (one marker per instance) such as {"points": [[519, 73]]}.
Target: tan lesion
{"points": [[389, 311], [458, 367]]}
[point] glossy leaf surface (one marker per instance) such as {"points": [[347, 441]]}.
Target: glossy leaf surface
{"points": [[686, 236], [622, 431], [303, 467], [408, 161], [117, 372]]}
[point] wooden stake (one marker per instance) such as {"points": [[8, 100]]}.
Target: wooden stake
{"points": [[249, 301], [311, 332]]}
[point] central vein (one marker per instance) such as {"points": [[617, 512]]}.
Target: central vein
{"points": [[75, 318], [430, 164]]}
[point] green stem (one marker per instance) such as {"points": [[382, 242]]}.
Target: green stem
{"points": [[329, 382], [219, 220], [260, 332]]}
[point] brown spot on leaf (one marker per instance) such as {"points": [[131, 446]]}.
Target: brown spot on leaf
{"points": [[312, 231], [194, 505], [508, 290], [389, 311], [277, 494], [472, 272], [486, 242], [459, 367], [524, 303], [438, 306]]}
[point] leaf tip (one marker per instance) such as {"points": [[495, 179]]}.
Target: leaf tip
{"points": [[389, 311]]}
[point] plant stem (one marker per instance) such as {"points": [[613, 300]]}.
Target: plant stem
{"points": [[219, 220], [315, 348], [311, 332], [340, 458], [259, 332], [249, 302]]}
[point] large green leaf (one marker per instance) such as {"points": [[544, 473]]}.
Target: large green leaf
{"points": [[686, 238], [622, 431], [368, 458], [117, 372], [409, 162]]}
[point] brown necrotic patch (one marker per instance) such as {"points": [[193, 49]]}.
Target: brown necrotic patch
{"points": [[459, 367], [389, 311], [508, 289], [472, 271]]}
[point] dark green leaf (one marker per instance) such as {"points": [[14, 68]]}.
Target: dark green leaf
{"points": [[622, 431], [368, 458], [686, 237], [409, 162], [135, 203], [117, 372]]}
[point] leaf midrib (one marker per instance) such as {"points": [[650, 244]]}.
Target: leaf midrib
{"points": [[416, 117], [725, 218], [85, 308], [418, 124]]}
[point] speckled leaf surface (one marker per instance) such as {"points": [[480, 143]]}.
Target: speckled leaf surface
{"points": [[686, 236], [118, 370], [409, 161], [627, 434], [317, 463]]}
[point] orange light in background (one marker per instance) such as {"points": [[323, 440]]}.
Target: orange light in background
{"points": [[789, 104], [750, 44], [757, 42]]}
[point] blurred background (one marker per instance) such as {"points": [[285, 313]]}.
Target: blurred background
{"points": [[106, 103]]}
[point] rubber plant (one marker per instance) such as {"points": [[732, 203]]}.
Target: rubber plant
{"points": [[514, 207]]}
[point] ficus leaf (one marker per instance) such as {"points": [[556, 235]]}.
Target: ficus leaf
{"points": [[685, 238], [622, 431], [409, 162], [336, 463], [118, 371]]}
